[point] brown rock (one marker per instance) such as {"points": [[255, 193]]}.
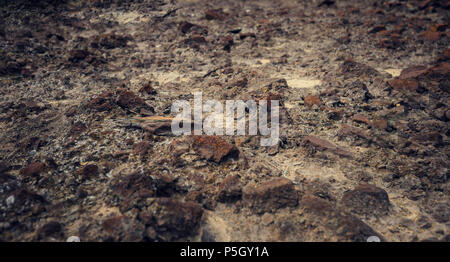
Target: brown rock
{"points": [[441, 70], [242, 36], [361, 119], [227, 42], [213, 148], [270, 195], [380, 124], [367, 200], [33, 169], [230, 189], [128, 99], [267, 219], [51, 229], [404, 84], [216, 14], [313, 143], [148, 89], [377, 29], [77, 55], [110, 41], [77, 129], [348, 130], [312, 100], [412, 72], [122, 228], [431, 36], [89, 171], [103, 102], [172, 218]]}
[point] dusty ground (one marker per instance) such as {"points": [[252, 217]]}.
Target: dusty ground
{"points": [[365, 108]]}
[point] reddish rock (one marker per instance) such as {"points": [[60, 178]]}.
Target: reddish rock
{"points": [[430, 35], [348, 130], [134, 186], [312, 100], [32, 169], [361, 119], [216, 14], [315, 204], [130, 100], [103, 102], [141, 148], [441, 70], [171, 218], [367, 200], [410, 85], [380, 124], [438, 27], [313, 144], [230, 189], [413, 72], [270, 195], [213, 148], [123, 228]]}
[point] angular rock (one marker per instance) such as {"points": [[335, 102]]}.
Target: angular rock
{"points": [[313, 143], [33, 169], [230, 189], [367, 200], [171, 218], [123, 228], [213, 148], [410, 85], [270, 195], [312, 100]]}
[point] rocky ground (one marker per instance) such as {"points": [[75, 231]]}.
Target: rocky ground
{"points": [[86, 89]]}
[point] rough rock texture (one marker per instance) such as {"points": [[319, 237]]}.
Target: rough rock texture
{"points": [[367, 199], [270, 195], [86, 147]]}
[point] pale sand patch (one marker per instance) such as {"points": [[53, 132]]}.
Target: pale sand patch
{"points": [[303, 82], [393, 71]]}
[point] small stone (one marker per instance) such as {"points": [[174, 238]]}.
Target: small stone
{"points": [[312, 100], [10, 200], [32, 169], [267, 219], [380, 124], [73, 239], [361, 119]]}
